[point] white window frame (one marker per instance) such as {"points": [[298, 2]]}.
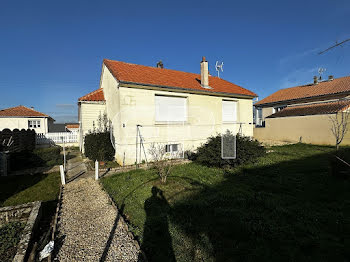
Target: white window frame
{"points": [[34, 124], [158, 119], [171, 147], [224, 120]]}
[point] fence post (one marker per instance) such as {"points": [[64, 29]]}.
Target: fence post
{"points": [[96, 170], [63, 180]]}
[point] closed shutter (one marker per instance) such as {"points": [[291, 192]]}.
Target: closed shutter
{"points": [[229, 111], [171, 109]]}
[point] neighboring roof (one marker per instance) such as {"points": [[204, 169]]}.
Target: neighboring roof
{"points": [[336, 86], [72, 126], [21, 111], [96, 95], [57, 128], [312, 109], [161, 77]]}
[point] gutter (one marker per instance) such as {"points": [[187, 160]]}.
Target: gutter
{"points": [[186, 90]]}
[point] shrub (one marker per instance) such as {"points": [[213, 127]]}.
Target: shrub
{"points": [[98, 146], [247, 150]]}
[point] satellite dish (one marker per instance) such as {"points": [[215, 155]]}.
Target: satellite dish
{"points": [[219, 67]]}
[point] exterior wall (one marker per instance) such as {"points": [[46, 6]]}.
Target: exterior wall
{"points": [[137, 107], [266, 111], [314, 129], [22, 123], [88, 115]]}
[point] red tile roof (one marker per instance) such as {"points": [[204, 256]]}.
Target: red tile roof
{"points": [[21, 111], [336, 86], [72, 126], [313, 109], [132, 73], [96, 95]]}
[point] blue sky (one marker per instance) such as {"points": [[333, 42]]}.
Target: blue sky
{"points": [[51, 52]]}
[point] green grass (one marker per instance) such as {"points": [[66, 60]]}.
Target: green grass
{"points": [[15, 190], [10, 235], [285, 207]]}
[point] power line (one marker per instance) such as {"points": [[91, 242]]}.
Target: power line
{"points": [[337, 44]]}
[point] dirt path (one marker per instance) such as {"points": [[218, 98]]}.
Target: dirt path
{"points": [[90, 228]]}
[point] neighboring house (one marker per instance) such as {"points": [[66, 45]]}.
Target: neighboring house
{"points": [[21, 117], [302, 113], [72, 127], [155, 105]]}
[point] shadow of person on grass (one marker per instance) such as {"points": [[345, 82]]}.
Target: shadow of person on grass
{"points": [[157, 242]]}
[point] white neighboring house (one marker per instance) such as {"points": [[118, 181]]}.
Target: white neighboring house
{"points": [[21, 117], [157, 105]]}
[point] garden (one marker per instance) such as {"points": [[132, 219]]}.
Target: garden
{"points": [[284, 206]]}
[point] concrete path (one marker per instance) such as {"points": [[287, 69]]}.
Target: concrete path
{"points": [[90, 228]]}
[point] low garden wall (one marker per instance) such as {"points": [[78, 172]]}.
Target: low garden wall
{"points": [[27, 213]]}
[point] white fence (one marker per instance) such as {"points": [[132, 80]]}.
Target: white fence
{"points": [[57, 138]]}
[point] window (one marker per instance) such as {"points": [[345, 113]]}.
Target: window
{"points": [[171, 148], [171, 109], [33, 123], [229, 111]]}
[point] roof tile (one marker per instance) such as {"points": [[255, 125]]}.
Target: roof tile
{"points": [[336, 86], [21, 111], [96, 95], [170, 78], [312, 109]]}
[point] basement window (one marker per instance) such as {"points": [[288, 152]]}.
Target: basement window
{"points": [[171, 148]]}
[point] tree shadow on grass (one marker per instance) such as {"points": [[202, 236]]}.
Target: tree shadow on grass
{"points": [[290, 211]]}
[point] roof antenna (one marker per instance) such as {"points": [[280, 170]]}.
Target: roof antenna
{"points": [[219, 67], [321, 71]]}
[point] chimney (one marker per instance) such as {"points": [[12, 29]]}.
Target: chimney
{"points": [[330, 78], [204, 73], [160, 64], [315, 80], [32, 107]]}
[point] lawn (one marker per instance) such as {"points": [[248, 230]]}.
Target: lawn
{"points": [[15, 190], [285, 207]]}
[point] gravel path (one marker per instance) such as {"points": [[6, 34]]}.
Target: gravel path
{"points": [[90, 228]]}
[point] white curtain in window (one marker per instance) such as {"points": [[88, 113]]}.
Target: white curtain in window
{"points": [[229, 111], [171, 109]]}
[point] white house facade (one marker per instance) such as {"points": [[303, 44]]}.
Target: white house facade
{"points": [[22, 117], [152, 105]]}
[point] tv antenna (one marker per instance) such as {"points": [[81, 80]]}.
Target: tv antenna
{"points": [[219, 67], [321, 71]]}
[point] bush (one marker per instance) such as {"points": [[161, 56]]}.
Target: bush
{"points": [[98, 146], [247, 150]]}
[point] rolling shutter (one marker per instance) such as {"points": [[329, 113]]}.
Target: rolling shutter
{"points": [[171, 109], [229, 111]]}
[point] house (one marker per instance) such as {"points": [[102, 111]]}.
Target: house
{"points": [[72, 127], [153, 105], [21, 117], [303, 113]]}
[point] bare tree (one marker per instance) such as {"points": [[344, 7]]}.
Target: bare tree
{"points": [[163, 161], [340, 121]]}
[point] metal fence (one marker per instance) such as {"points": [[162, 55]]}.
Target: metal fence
{"points": [[57, 138]]}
